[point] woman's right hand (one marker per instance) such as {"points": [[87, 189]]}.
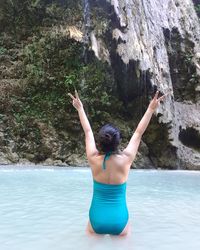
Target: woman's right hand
{"points": [[76, 101]]}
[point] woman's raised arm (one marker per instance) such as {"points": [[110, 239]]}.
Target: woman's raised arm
{"points": [[131, 150], [91, 149]]}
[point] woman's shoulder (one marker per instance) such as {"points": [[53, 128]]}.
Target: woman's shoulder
{"points": [[95, 158], [115, 158]]}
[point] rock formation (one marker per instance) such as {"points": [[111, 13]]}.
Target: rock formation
{"points": [[116, 52], [158, 43]]}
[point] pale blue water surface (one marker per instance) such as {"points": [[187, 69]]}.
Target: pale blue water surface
{"points": [[47, 209]]}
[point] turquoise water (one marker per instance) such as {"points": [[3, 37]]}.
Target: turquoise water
{"points": [[47, 209]]}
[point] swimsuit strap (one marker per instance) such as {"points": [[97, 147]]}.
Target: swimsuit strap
{"points": [[106, 157]]}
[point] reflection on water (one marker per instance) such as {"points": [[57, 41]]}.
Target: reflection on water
{"points": [[48, 209]]}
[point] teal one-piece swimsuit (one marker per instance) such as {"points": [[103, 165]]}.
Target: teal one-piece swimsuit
{"points": [[108, 211]]}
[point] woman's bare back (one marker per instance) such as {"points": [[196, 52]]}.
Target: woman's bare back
{"points": [[117, 168]]}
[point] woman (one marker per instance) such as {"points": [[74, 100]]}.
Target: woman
{"points": [[108, 211]]}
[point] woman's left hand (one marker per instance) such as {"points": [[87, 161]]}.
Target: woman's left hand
{"points": [[156, 101], [76, 101]]}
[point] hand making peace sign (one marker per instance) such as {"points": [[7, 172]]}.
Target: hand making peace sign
{"points": [[156, 101], [76, 101]]}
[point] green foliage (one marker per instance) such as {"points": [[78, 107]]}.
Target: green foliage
{"points": [[197, 8], [158, 133], [70, 80], [53, 66], [23, 17], [97, 86], [187, 59], [101, 22], [194, 79], [52, 62], [2, 50]]}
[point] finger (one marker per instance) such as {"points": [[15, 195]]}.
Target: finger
{"points": [[161, 98], [76, 94], [72, 96], [156, 95], [165, 95]]}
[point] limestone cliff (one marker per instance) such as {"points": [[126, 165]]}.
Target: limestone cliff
{"points": [[158, 43], [114, 52]]}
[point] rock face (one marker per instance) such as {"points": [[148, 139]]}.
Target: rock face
{"points": [[122, 50], [158, 42]]}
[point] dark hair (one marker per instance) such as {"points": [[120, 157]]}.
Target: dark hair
{"points": [[108, 138]]}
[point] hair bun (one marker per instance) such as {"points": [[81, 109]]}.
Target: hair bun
{"points": [[108, 138]]}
